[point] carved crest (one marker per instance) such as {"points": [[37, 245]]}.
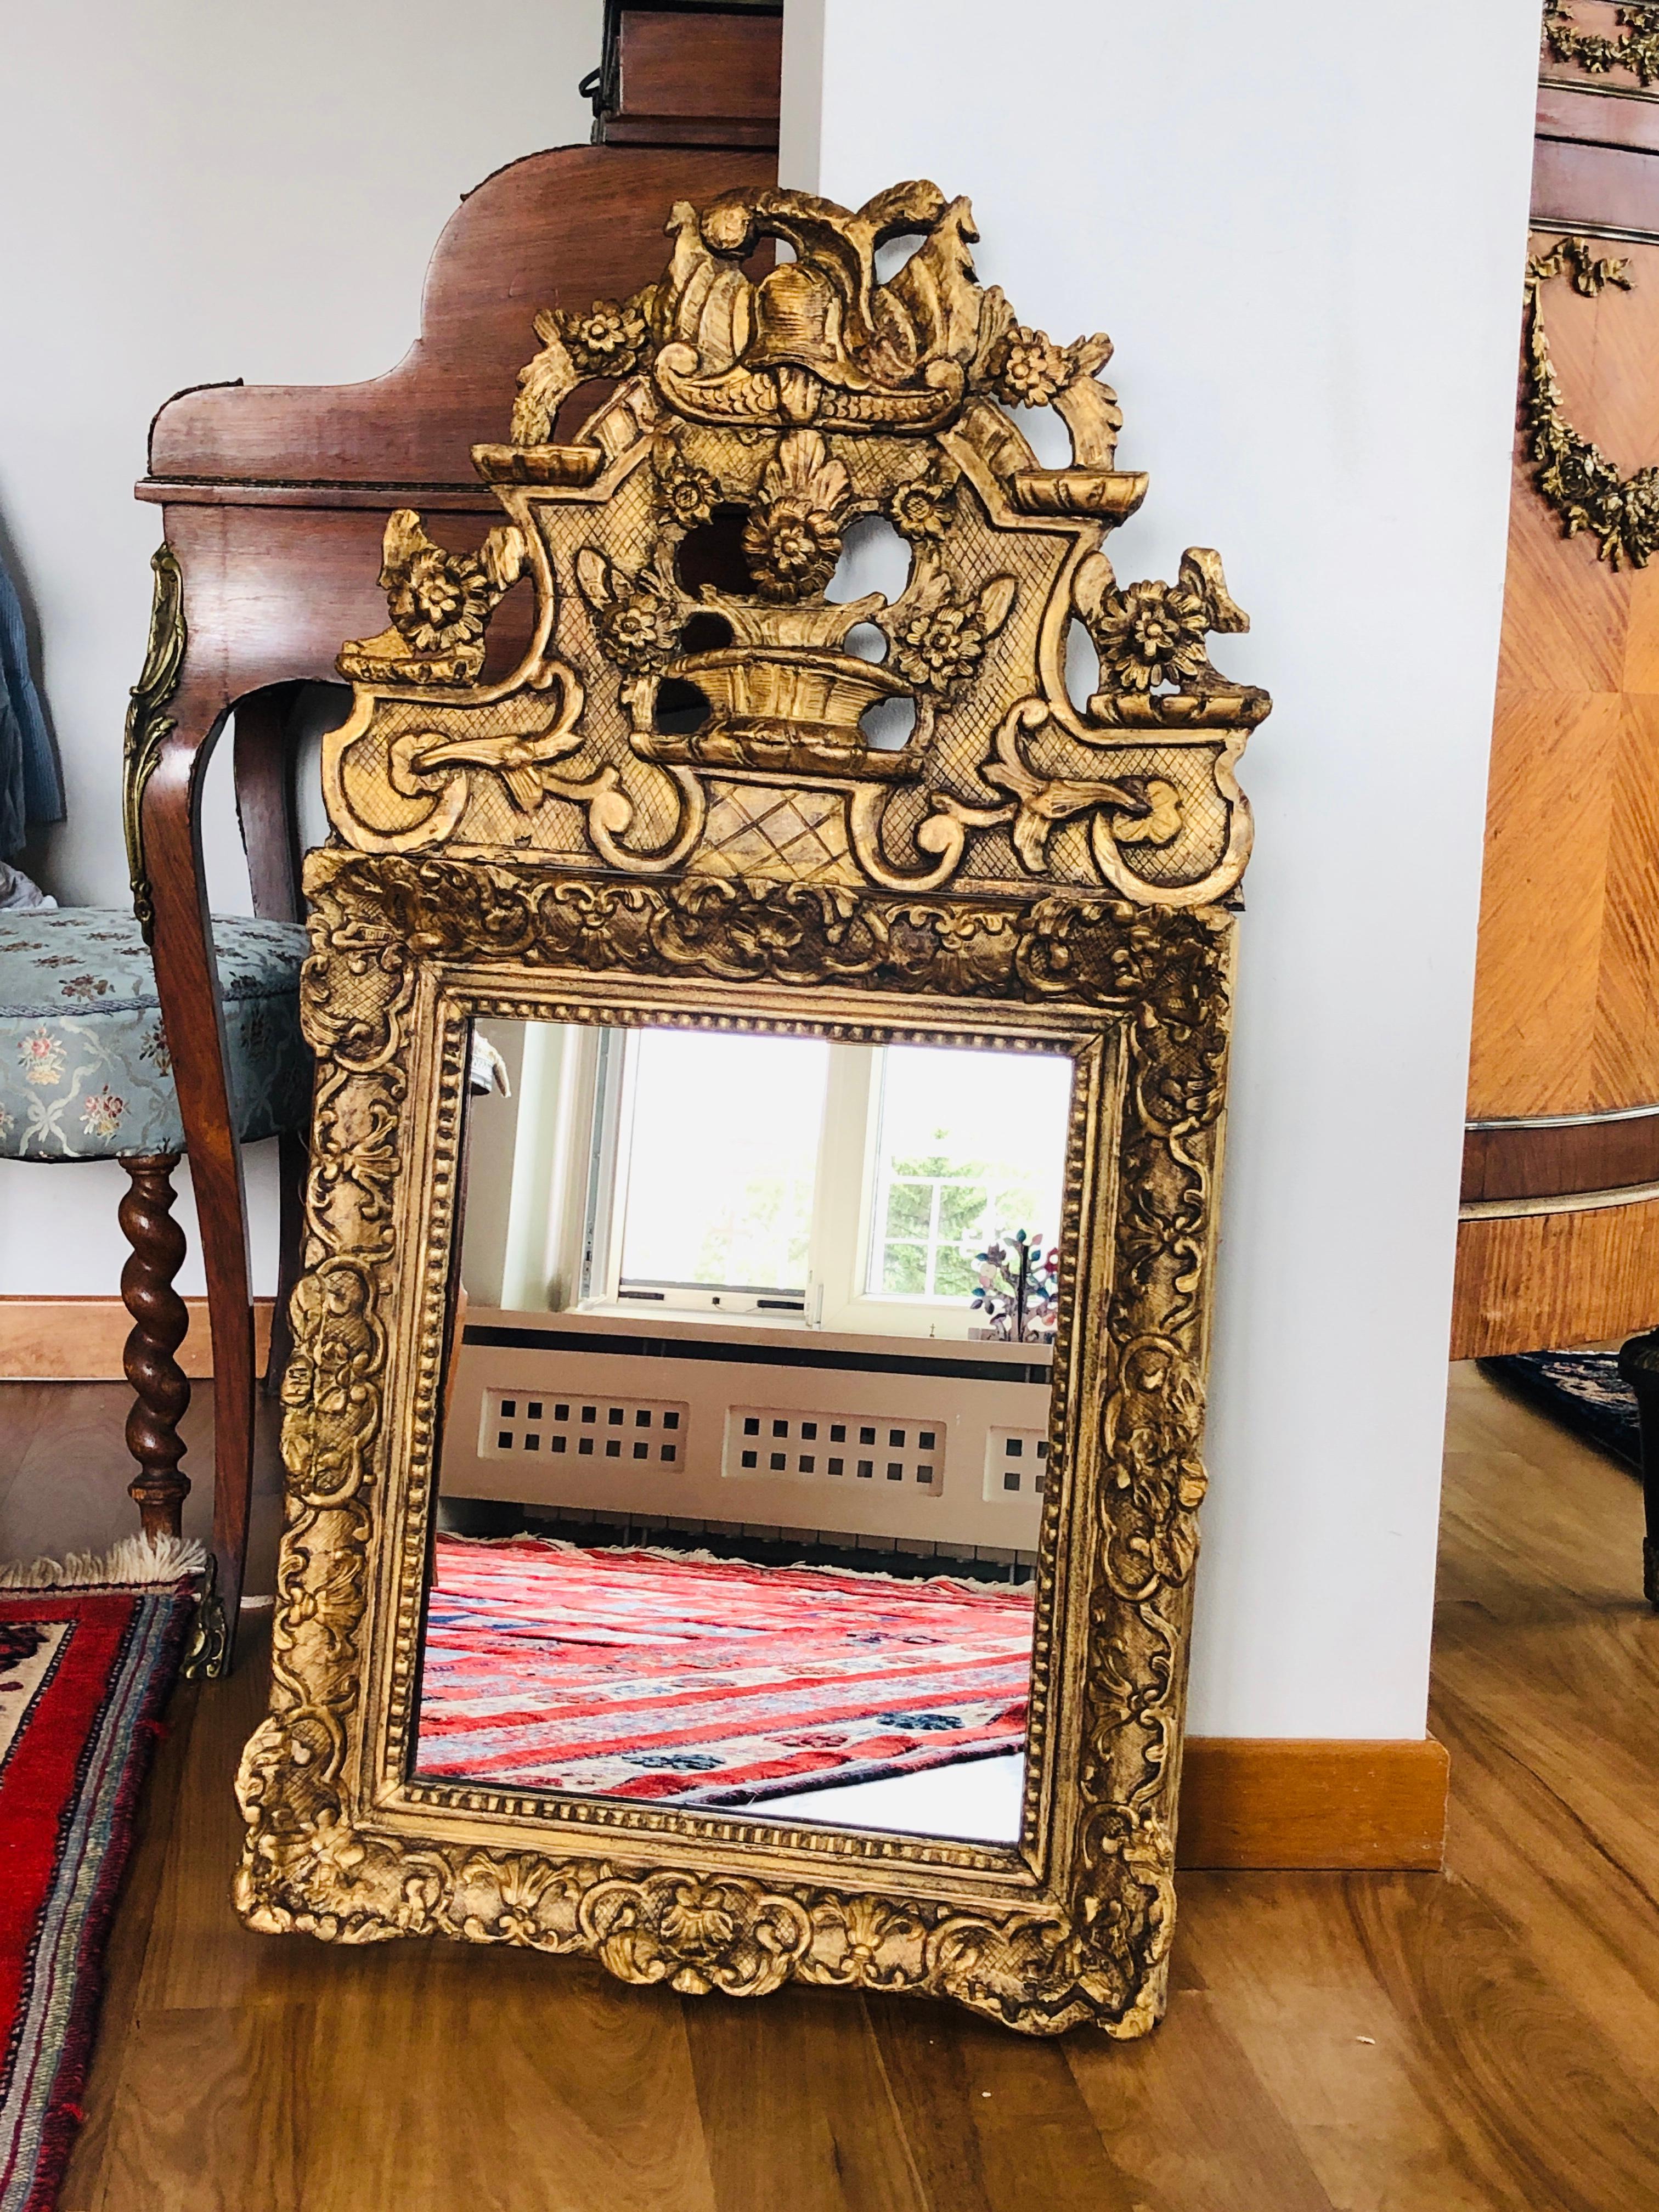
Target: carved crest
{"points": [[694, 698]]}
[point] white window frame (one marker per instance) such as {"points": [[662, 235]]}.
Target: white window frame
{"points": [[845, 1215], [566, 1221], [610, 1154]]}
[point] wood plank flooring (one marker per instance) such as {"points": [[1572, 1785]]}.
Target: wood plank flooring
{"points": [[1405, 2043]]}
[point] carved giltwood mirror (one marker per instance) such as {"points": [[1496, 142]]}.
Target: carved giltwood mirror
{"points": [[742, 1432]]}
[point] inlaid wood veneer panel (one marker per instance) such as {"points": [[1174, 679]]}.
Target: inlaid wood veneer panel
{"points": [[1640, 671], [1554, 761], [1565, 613], [1603, 349], [1555, 1279], [1626, 1060]]}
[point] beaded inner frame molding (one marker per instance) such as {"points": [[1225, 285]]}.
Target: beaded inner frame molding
{"points": [[671, 809]]}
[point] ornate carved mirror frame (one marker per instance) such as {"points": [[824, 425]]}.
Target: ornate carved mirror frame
{"points": [[670, 810]]}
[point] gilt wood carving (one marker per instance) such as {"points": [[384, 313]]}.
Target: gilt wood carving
{"points": [[672, 810]]}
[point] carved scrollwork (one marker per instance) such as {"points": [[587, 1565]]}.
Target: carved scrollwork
{"points": [[697, 1934], [1104, 954], [148, 725], [1131, 810], [331, 1402]]}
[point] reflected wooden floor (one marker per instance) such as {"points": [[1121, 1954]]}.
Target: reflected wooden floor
{"points": [[1334, 2043]]}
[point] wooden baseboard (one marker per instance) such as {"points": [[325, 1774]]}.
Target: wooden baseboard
{"points": [[81, 1339], [1269, 1802]]}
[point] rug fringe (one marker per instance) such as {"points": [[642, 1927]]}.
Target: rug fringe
{"points": [[136, 1563], [704, 1558]]}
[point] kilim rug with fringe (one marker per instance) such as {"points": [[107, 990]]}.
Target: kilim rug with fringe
{"points": [[672, 1676], [89, 1652]]}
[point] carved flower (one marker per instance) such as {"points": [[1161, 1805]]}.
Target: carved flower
{"points": [[439, 599], [1151, 633], [638, 633], [1027, 368], [698, 1920], [637, 616], [1641, 513], [920, 508], [939, 648], [792, 548], [605, 340], [1576, 474], [685, 495], [939, 639], [791, 540]]}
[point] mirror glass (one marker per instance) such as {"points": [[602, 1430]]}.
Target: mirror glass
{"points": [[746, 1424]]}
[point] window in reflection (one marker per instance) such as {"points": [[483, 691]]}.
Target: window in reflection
{"points": [[741, 1489], [715, 1181], [971, 1146], [853, 1187]]}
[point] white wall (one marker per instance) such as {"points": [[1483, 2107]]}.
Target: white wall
{"points": [[1304, 227], [195, 191]]}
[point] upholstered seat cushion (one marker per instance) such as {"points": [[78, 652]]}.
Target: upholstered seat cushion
{"points": [[85, 1072]]}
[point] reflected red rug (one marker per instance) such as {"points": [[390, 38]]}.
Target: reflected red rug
{"points": [[84, 1672], [647, 1674]]}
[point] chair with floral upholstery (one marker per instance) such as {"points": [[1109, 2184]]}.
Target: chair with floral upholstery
{"points": [[86, 1074]]}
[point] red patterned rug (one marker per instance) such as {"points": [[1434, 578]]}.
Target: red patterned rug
{"points": [[643, 1674], [84, 1672]]}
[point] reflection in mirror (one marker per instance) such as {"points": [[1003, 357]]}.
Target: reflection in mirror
{"points": [[747, 1424]]}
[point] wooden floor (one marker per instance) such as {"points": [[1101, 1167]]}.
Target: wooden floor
{"points": [[1403, 2043]]}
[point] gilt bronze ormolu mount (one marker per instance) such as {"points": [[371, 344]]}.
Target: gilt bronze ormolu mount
{"points": [[673, 808]]}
